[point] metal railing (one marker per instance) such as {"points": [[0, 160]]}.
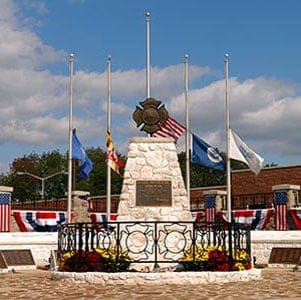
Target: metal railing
{"points": [[154, 242], [253, 201], [98, 203]]}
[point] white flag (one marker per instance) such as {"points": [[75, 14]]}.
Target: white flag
{"points": [[241, 151]]}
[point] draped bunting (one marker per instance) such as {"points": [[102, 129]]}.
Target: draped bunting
{"points": [[40, 221], [257, 218], [296, 217], [197, 216], [102, 217], [48, 221]]}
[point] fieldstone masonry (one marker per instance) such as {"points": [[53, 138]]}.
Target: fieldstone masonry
{"points": [[80, 206], [151, 159]]}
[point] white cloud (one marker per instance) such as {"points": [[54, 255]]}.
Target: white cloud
{"points": [[19, 47], [34, 102], [264, 111]]}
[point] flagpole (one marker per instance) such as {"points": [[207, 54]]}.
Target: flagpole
{"points": [[186, 78], [69, 201], [229, 209], [148, 80], [108, 204]]}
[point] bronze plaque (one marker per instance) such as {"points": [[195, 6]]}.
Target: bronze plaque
{"points": [[18, 257], [3, 264], [285, 256], [153, 193]]}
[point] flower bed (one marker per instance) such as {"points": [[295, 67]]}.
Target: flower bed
{"points": [[215, 259], [98, 260], [194, 259]]}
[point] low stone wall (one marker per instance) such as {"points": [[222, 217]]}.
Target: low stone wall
{"points": [[153, 278], [41, 244], [264, 241]]}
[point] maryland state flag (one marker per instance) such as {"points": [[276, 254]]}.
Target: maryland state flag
{"points": [[112, 159]]}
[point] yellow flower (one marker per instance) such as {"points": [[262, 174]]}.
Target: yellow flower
{"points": [[240, 266], [67, 255]]}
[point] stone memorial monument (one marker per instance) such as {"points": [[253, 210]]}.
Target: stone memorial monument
{"points": [[153, 187]]}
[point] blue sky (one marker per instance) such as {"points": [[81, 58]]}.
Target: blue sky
{"points": [[261, 37]]}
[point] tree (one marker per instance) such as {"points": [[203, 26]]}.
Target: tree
{"points": [[27, 187], [97, 181], [201, 176]]}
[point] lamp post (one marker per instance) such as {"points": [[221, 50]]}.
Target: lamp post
{"points": [[43, 179]]}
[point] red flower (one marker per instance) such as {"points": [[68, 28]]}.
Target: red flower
{"points": [[83, 261], [218, 261]]}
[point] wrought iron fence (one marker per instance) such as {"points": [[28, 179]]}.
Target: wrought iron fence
{"points": [[155, 243]]}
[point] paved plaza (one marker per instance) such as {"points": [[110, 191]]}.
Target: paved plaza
{"points": [[276, 283]]}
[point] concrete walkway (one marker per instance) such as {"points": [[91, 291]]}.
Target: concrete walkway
{"points": [[276, 283]]}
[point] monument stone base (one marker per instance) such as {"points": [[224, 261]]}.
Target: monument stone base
{"points": [[153, 187]]}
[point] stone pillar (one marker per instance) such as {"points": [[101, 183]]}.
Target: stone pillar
{"points": [[285, 197], [5, 192], [80, 206], [215, 201]]}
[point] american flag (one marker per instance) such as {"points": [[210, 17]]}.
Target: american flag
{"points": [[4, 211], [171, 128], [281, 210], [210, 209]]}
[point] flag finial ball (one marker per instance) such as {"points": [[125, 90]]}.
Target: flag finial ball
{"points": [[147, 14]]}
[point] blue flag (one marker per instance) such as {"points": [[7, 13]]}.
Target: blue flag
{"points": [[206, 155], [79, 153]]}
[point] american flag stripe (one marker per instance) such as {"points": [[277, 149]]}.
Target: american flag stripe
{"points": [[281, 217], [210, 214], [4, 212], [4, 218], [171, 128], [281, 210]]}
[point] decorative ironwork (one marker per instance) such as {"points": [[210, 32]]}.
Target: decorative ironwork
{"points": [[154, 242], [150, 115]]}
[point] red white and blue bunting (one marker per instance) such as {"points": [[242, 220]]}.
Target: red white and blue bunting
{"points": [[257, 218]]}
